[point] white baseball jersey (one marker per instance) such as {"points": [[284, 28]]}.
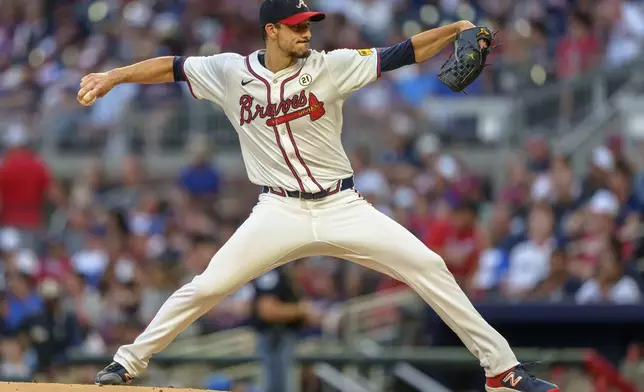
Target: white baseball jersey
{"points": [[290, 122]]}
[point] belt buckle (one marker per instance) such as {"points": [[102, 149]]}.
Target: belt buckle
{"points": [[299, 195]]}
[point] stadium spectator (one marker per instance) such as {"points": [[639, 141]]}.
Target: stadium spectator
{"points": [[278, 313], [516, 189], [594, 227], [92, 261], [201, 179], [55, 263], [601, 165], [559, 285], [89, 186], [498, 239], [457, 239], [371, 181], [629, 215], [537, 150], [23, 300], [610, 284], [25, 186], [53, 331], [4, 314], [83, 300], [15, 256], [529, 261], [127, 190], [16, 363], [565, 194], [616, 145], [622, 19], [577, 52]]}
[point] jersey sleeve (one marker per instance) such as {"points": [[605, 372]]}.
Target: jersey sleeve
{"points": [[206, 76], [352, 69]]}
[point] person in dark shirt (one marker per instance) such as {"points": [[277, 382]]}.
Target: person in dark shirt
{"points": [[566, 199], [54, 330], [4, 312], [559, 285], [278, 312]]}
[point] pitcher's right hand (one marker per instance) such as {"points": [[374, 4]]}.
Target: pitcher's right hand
{"points": [[94, 86]]}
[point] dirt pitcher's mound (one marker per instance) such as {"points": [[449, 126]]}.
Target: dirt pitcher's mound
{"points": [[35, 387]]}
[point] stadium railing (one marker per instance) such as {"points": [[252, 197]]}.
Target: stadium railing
{"points": [[605, 375], [370, 331]]}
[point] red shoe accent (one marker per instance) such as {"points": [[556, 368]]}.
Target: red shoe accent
{"points": [[554, 390], [495, 382]]}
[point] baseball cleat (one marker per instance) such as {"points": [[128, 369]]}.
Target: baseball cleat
{"points": [[518, 379], [113, 374]]}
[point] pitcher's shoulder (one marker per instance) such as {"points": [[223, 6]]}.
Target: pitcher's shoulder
{"points": [[219, 60], [235, 58], [322, 57], [316, 56], [322, 54], [344, 54]]}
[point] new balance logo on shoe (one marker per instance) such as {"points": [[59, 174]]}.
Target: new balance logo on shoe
{"points": [[512, 379], [518, 380]]}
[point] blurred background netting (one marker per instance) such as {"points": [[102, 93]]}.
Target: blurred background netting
{"points": [[530, 186]]}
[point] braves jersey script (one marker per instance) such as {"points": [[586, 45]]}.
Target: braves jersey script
{"points": [[289, 123]]}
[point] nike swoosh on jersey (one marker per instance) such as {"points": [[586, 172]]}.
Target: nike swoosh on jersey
{"points": [[245, 82]]}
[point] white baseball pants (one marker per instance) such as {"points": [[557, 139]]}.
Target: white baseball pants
{"points": [[344, 225]]}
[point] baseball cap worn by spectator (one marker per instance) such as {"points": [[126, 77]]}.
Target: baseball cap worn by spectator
{"points": [[288, 12], [603, 159], [604, 203]]}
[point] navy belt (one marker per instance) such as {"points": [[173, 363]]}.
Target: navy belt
{"points": [[341, 185]]}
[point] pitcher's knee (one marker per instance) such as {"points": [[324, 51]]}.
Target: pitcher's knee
{"points": [[430, 262], [206, 288]]}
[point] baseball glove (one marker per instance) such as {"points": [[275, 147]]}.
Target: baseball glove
{"points": [[468, 59]]}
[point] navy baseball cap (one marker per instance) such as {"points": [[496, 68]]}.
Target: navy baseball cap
{"points": [[289, 12]]}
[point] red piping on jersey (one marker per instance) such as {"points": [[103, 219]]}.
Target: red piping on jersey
{"points": [[290, 133], [183, 64], [282, 192], [337, 188], [277, 136]]}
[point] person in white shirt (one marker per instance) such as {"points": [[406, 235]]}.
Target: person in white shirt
{"points": [[285, 103], [611, 285], [530, 260]]}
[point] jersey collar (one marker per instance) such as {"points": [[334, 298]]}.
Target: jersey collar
{"points": [[258, 68]]}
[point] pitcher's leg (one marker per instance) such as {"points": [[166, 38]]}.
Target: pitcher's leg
{"points": [[364, 235], [270, 236]]}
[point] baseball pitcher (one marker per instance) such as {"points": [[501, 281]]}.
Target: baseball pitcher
{"points": [[285, 102]]}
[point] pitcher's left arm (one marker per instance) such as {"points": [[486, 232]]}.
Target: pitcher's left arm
{"points": [[421, 46], [350, 69]]}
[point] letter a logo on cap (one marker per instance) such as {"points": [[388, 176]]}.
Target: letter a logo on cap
{"points": [[302, 4]]}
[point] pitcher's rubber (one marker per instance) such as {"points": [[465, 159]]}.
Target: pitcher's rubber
{"points": [[38, 387]]}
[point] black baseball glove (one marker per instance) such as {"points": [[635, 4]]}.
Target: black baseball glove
{"points": [[468, 59]]}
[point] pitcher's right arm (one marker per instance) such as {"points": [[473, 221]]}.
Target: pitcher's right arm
{"points": [[205, 76]]}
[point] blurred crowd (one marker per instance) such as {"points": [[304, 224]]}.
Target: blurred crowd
{"points": [[47, 46], [86, 263]]}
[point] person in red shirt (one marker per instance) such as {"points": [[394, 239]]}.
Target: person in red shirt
{"points": [[457, 241], [56, 263], [25, 184], [576, 53]]}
